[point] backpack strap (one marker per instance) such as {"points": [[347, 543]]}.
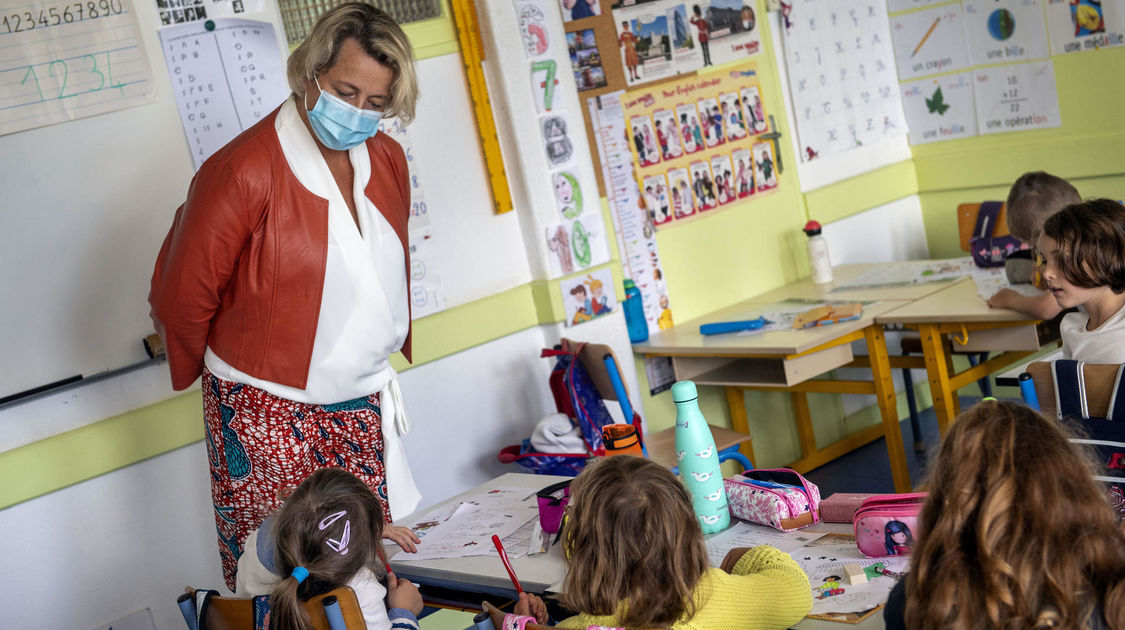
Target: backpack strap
{"points": [[261, 612], [986, 219], [1116, 404], [1070, 389]]}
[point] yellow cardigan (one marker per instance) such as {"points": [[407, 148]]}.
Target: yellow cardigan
{"points": [[767, 590]]}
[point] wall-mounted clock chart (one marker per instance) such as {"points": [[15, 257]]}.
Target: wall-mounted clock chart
{"points": [[929, 42], [1005, 30]]}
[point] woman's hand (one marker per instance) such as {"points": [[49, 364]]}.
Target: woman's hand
{"points": [[401, 593], [401, 536], [733, 556], [531, 606]]}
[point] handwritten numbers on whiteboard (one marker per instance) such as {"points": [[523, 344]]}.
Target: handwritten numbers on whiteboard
{"points": [[544, 88]]}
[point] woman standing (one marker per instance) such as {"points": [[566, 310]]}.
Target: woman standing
{"points": [[283, 282]]}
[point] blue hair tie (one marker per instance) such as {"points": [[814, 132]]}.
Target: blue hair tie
{"points": [[300, 573]]}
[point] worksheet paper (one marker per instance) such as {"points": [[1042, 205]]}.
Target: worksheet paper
{"points": [[743, 534], [990, 281], [823, 561], [911, 272], [466, 528]]}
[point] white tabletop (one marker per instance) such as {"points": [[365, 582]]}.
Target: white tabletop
{"points": [[543, 572], [805, 289], [958, 302]]}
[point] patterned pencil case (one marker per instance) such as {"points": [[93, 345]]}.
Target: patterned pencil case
{"points": [[552, 502], [885, 524], [780, 498]]}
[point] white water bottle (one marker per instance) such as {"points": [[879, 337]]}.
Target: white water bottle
{"points": [[818, 254]]}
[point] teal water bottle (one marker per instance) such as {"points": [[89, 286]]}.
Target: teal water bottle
{"points": [[634, 313], [698, 460]]}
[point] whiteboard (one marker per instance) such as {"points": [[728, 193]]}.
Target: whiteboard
{"points": [[87, 204]]}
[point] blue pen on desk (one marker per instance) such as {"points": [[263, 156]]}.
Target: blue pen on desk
{"points": [[718, 328]]}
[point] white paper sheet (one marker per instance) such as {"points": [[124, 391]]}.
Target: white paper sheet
{"points": [[1005, 30], [743, 534], [824, 558], [1016, 97], [941, 108], [466, 529], [224, 80], [989, 281], [930, 42], [911, 272]]}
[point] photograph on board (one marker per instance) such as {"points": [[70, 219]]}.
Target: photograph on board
{"points": [[730, 105], [657, 198], [667, 133], [712, 121], [702, 185], [755, 114], [683, 201], [764, 169], [646, 49], [644, 140], [744, 172], [585, 60], [721, 173], [690, 130]]}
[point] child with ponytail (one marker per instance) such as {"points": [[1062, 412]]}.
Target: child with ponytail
{"points": [[326, 535]]}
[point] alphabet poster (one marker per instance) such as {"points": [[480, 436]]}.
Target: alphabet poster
{"points": [[696, 144], [841, 74]]}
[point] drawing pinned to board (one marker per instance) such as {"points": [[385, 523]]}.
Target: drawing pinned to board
{"points": [[533, 28], [1016, 97], [544, 83], [764, 166], [585, 60], [1005, 30], [1081, 25], [929, 42], [942, 108], [576, 244], [558, 242], [568, 194], [586, 297], [556, 143]]}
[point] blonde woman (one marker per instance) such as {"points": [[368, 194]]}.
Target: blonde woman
{"points": [[283, 282]]}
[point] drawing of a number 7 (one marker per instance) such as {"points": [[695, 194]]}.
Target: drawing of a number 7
{"points": [[549, 84]]}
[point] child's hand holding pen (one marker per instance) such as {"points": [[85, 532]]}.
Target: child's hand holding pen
{"points": [[402, 593]]}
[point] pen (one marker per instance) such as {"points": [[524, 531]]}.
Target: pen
{"points": [[507, 565]]}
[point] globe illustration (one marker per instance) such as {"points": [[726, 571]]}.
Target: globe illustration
{"points": [[1001, 24]]}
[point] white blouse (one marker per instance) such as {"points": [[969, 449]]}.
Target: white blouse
{"points": [[1105, 344]]}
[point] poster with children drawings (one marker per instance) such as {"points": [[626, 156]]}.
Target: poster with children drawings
{"points": [[1016, 97], [588, 297], [683, 201], [929, 42], [765, 168], [1005, 30], [568, 194], [940, 108], [1081, 25], [840, 62], [701, 124]]}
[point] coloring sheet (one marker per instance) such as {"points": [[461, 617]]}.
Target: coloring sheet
{"points": [[588, 297], [911, 272], [991, 280], [931, 41], [1081, 25], [840, 63], [823, 560], [466, 528], [1017, 97], [1005, 30], [941, 108], [743, 534]]}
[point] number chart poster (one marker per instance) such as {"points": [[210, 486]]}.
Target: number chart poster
{"points": [[67, 60], [696, 144], [224, 80], [840, 63]]}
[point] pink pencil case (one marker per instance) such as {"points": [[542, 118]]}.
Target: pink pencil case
{"points": [[885, 524], [779, 497], [840, 507]]}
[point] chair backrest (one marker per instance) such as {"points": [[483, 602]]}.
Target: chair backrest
{"points": [[1099, 379], [237, 613], [498, 615], [967, 222]]}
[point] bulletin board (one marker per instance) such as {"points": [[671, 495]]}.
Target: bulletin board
{"points": [[89, 201]]}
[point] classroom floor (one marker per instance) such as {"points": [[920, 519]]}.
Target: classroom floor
{"points": [[867, 469]]}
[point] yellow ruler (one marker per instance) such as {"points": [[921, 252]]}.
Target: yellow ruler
{"points": [[468, 34]]}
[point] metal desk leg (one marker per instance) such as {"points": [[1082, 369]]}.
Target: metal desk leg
{"points": [[885, 396], [738, 420], [937, 369]]}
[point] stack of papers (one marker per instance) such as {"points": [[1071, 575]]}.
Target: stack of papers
{"points": [[466, 528]]}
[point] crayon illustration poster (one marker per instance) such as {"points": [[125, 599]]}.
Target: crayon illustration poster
{"points": [[695, 143]]}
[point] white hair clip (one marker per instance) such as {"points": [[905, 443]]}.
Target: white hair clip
{"points": [[340, 545]]}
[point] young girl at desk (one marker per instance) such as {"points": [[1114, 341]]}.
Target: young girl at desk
{"points": [[636, 559], [1083, 250], [326, 535], [1015, 532]]}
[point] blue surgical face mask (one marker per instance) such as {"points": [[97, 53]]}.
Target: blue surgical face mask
{"points": [[338, 125]]}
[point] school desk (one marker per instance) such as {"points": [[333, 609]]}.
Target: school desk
{"points": [[541, 573], [957, 312]]}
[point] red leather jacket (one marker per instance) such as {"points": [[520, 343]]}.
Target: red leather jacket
{"points": [[242, 269]]}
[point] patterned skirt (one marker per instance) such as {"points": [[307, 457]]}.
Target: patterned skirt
{"points": [[258, 443]]}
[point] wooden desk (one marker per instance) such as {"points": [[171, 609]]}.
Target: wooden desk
{"points": [[958, 312], [788, 360]]}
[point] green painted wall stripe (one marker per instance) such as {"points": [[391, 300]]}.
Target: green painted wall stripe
{"points": [[87, 452]]}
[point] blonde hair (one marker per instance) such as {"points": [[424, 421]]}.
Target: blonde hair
{"points": [[1034, 197], [634, 547], [593, 282], [1015, 532], [379, 36], [300, 541]]}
